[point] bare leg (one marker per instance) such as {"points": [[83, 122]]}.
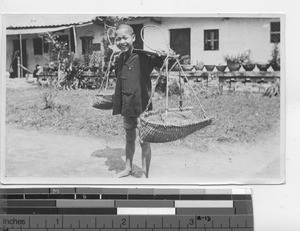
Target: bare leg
{"points": [[146, 158], [129, 152]]}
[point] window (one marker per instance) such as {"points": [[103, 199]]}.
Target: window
{"points": [[38, 46], [275, 32], [211, 40], [87, 42]]}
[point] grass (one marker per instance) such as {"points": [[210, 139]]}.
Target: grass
{"points": [[237, 117]]}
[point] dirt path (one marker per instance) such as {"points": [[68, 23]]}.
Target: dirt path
{"points": [[32, 153]]}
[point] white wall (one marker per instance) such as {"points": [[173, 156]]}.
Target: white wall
{"points": [[90, 30], [235, 35]]}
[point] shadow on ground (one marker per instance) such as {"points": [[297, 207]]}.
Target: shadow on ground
{"points": [[114, 160]]}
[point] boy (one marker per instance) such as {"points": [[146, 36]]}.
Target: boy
{"points": [[132, 93]]}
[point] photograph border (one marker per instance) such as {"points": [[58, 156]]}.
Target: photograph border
{"points": [[135, 181]]}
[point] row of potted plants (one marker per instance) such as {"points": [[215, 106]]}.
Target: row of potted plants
{"points": [[231, 67], [235, 61]]}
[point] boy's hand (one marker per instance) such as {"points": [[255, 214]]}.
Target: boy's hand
{"points": [[161, 53], [171, 53]]}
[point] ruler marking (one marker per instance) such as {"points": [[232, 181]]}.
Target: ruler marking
{"points": [[129, 225], [218, 221]]}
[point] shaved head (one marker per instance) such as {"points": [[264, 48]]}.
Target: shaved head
{"points": [[126, 28]]}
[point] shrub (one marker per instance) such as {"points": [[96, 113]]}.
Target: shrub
{"points": [[48, 98]]}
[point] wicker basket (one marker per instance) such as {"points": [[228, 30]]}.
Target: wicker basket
{"points": [[177, 125], [103, 101]]}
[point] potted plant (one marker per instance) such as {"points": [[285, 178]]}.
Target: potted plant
{"points": [[175, 68], [247, 62], [234, 61], [209, 67], [199, 66], [263, 66], [275, 60], [221, 67], [249, 66]]}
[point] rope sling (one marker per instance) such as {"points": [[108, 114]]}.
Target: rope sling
{"points": [[169, 124], [104, 98]]}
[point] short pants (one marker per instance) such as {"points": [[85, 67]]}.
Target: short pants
{"points": [[130, 122]]}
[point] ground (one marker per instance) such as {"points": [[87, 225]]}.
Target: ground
{"points": [[204, 157]]}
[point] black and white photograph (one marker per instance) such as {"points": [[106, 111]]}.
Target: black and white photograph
{"points": [[97, 98]]}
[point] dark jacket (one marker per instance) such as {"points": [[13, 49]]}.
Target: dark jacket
{"points": [[133, 87]]}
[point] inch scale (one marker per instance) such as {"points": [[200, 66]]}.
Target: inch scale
{"points": [[125, 209]]}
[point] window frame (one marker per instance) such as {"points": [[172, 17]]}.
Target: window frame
{"points": [[217, 32], [275, 33]]}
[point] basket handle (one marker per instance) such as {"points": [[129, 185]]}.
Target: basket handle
{"points": [[112, 46], [170, 55]]}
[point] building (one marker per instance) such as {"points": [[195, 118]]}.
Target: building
{"points": [[206, 39]]}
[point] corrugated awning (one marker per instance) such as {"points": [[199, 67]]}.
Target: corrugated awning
{"points": [[34, 30]]}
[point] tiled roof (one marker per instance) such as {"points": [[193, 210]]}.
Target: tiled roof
{"points": [[18, 21]]}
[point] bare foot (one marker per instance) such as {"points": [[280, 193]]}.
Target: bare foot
{"points": [[143, 175], [124, 173]]}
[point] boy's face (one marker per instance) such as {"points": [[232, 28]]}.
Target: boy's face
{"points": [[124, 39]]}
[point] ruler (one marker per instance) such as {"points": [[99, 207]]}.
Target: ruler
{"points": [[125, 209]]}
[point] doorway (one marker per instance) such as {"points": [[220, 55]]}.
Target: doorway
{"points": [[180, 41]]}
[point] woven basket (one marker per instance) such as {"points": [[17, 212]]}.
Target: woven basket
{"points": [[177, 125], [103, 101]]}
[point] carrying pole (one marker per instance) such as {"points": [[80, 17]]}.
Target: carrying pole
{"points": [[180, 89], [19, 67], [21, 57], [167, 86]]}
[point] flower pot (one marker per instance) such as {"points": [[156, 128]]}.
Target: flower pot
{"points": [[249, 66], [187, 67], [209, 67], [176, 68], [199, 67], [275, 66], [93, 69], [233, 66], [221, 68], [263, 66]]}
